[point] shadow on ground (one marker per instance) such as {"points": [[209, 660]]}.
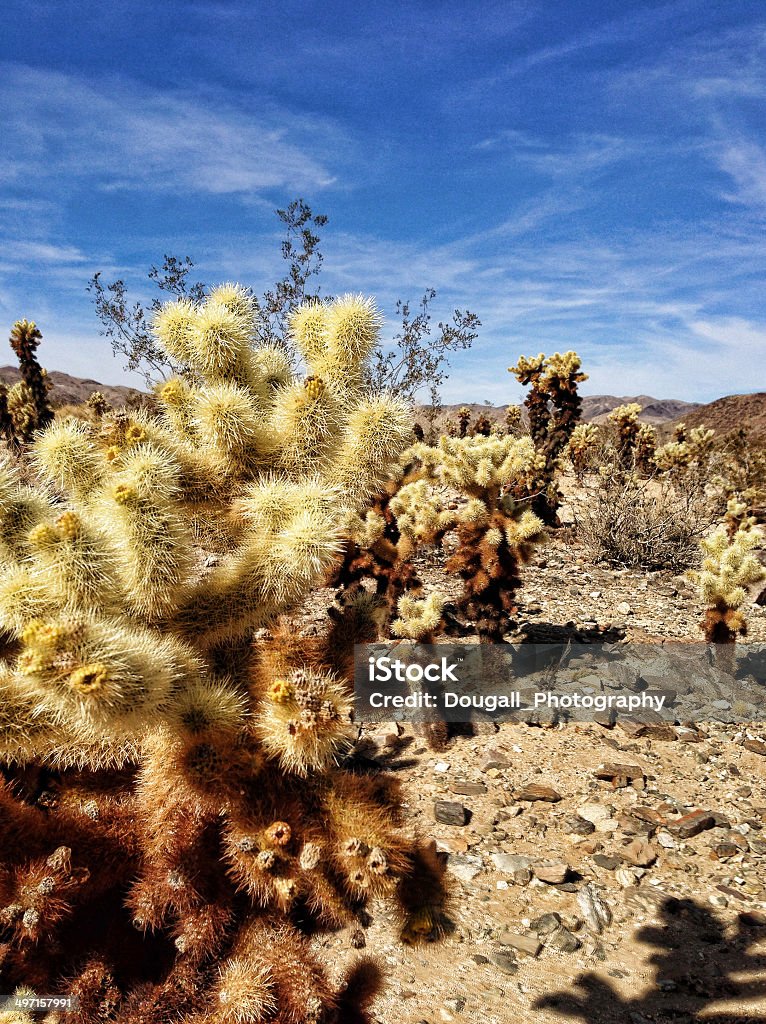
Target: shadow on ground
{"points": [[698, 964]]}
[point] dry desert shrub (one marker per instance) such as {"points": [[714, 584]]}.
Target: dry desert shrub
{"points": [[649, 522]]}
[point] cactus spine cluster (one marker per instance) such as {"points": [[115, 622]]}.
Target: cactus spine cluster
{"points": [[553, 408], [160, 768]]}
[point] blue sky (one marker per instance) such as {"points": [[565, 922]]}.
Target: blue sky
{"points": [[585, 175]]}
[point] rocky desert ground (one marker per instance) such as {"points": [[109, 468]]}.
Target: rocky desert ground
{"points": [[603, 874]]}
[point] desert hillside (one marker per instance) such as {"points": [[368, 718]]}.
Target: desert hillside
{"points": [[731, 412], [69, 390]]}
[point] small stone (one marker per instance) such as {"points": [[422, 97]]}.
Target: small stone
{"points": [[464, 866], [590, 846], [691, 824], [724, 851], [545, 924], [451, 844], [551, 872], [728, 891], [441, 767], [621, 775], [635, 826], [563, 940], [506, 813], [387, 733], [602, 860], [509, 863], [628, 877], [607, 825], [666, 841], [468, 788], [640, 853], [534, 791], [450, 813], [755, 747], [595, 911], [494, 759], [648, 814], [654, 730], [594, 812], [528, 944], [593, 948], [623, 608], [506, 962], [456, 1005], [753, 918], [578, 826], [687, 734]]}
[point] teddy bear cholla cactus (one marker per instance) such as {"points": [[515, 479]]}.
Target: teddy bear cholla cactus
{"points": [[693, 446], [582, 446], [494, 535], [553, 408], [24, 407], [194, 803], [729, 569]]}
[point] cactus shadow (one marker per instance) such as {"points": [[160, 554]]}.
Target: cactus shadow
{"points": [[698, 963], [554, 633]]}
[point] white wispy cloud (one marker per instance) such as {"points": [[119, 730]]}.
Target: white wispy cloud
{"points": [[117, 133], [744, 160]]}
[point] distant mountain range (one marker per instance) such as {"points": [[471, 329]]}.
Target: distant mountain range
{"points": [[68, 390], [723, 415], [596, 408]]}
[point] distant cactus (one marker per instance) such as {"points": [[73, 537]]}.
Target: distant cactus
{"points": [[582, 445], [729, 569], [495, 536], [690, 447], [98, 405], [24, 408], [554, 408], [645, 448], [482, 425], [737, 517], [7, 429], [194, 799], [463, 419], [25, 337], [513, 419], [625, 420]]}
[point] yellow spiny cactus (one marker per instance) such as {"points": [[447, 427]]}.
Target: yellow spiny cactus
{"points": [[495, 532], [109, 542], [582, 445], [729, 569], [197, 801], [419, 619]]}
